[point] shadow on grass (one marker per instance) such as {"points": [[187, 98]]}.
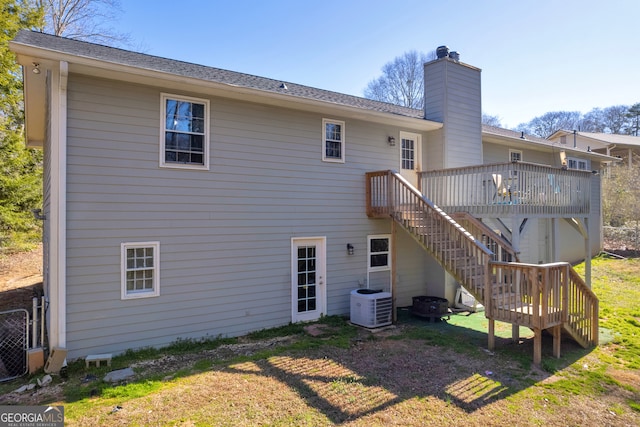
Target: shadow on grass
{"points": [[348, 373]]}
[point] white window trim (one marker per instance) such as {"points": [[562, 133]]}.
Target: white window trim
{"points": [[578, 161], [369, 253], [342, 142], [515, 151], [123, 270], [163, 117]]}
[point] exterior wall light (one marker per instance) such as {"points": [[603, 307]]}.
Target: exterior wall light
{"points": [[349, 248], [36, 68], [391, 140]]}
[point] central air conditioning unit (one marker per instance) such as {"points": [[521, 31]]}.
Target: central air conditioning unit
{"points": [[371, 308]]}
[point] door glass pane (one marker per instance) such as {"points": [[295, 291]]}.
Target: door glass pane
{"points": [[306, 278], [408, 154]]}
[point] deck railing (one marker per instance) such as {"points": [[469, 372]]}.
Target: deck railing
{"points": [[539, 296], [518, 188], [543, 296], [582, 316], [462, 255], [532, 295]]}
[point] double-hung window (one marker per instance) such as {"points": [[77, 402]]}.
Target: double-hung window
{"points": [[140, 270], [184, 137], [515, 155], [332, 141], [379, 252]]}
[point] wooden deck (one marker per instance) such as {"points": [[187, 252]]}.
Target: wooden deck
{"points": [[539, 296], [506, 189]]}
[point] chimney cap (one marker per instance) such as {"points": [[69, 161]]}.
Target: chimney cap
{"points": [[442, 52]]}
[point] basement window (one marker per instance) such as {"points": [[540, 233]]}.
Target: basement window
{"points": [[379, 252]]}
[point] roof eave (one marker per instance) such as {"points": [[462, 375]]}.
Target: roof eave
{"points": [[546, 146], [28, 54]]}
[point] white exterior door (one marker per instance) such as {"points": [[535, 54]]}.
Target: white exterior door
{"points": [[308, 283], [410, 156]]}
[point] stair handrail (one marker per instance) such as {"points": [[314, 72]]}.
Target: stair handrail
{"points": [[432, 206], [388, 192], [582, 298], [484, 228]]}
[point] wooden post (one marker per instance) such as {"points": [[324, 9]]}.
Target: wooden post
{"points": [[393, 271], [492, 337], [557, 337], [537, 346], [587, 254], [515, 332]]}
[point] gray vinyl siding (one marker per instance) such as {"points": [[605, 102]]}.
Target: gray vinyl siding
{"points": [[225, 234], [453, 97], [494, 153]]}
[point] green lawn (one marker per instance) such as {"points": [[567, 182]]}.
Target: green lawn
{"points": [[419, 373]]}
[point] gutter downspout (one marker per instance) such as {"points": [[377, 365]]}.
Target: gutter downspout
{"points": [[58, 252]]}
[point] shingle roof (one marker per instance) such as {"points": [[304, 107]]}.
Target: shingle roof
{"points": [[612, 138], [513, 134], [205, 73]]}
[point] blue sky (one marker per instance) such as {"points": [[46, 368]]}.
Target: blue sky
{"points": [[536, 56]]}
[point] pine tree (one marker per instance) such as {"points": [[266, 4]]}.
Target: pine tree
{"points": [[20, 167], [634, 115]]}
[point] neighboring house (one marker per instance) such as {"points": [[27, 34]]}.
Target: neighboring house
{"points": [[625, 147], [183, 201]]}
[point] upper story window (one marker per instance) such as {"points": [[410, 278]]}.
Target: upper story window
{"points": [[579, 164], [515, 155], [332, 141], [140, 270], [184, 139]]}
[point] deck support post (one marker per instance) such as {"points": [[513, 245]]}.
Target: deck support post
{"points": [[492, 337], [515, 332], [587, 254], [537, 346], [555, 245], [394, 316], [557, 337]]}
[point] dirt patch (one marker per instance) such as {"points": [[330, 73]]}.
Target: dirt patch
{"points": [[20, 279]]}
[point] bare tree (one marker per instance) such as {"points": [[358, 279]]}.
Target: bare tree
{"points": [[615, 119], [402, 80], [545, 125], [593, 121], [491, 120], [608, 120], [621, 195], [86, 20]]}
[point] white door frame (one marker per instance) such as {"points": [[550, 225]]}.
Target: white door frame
{"points": [[320, 282], [412, 175]]}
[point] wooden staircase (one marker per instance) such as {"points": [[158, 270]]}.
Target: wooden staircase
{"points": [[542, 297]]}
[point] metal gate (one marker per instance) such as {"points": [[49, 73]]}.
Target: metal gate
{"points": [[14, 341]]}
